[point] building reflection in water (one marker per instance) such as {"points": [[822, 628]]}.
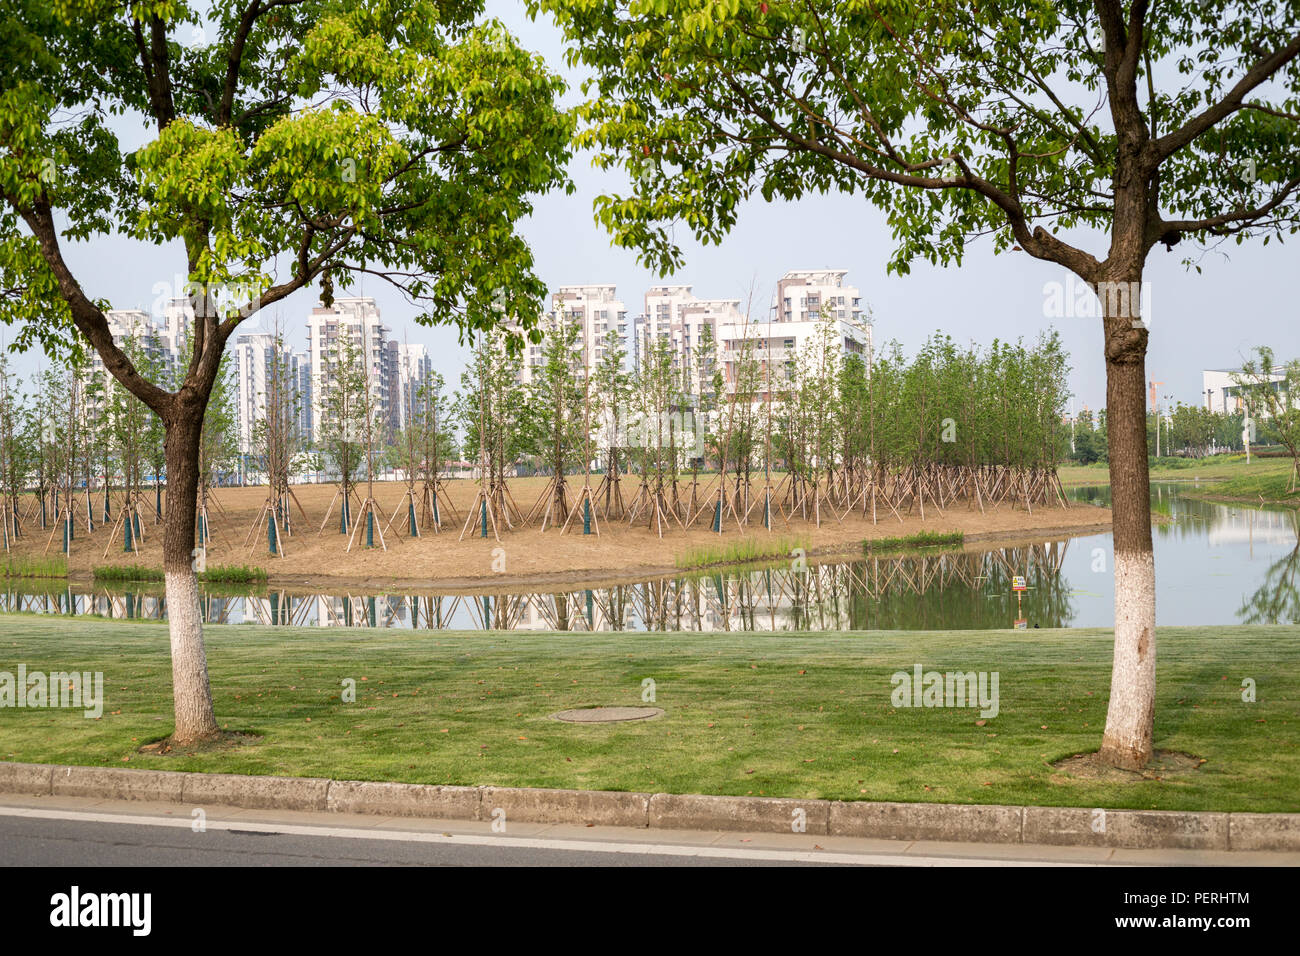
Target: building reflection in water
{"points": [[945, 589]]}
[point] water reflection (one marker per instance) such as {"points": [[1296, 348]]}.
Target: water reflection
{"points": [[1277, 599], [945, 589], [1217, 564]]}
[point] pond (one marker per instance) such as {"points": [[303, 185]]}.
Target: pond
{"points": [[1215, 564]]}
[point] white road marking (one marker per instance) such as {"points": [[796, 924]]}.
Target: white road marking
{"points": [[533, 843]]}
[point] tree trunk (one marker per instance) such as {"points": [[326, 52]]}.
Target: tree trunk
{"points": [[191, 692], [1130, 716]]}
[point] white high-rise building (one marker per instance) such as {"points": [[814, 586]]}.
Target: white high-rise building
{"points": [[802, 301], [673, 314], [160, 337], [409, 367], [252, 356], [803, 295], [357, 319], [596, 311]]}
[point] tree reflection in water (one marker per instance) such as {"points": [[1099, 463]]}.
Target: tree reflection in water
{"points": [[1277, 599], [944, 589]]}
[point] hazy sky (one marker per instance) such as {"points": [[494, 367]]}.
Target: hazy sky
{"points": [[1243, 297]]}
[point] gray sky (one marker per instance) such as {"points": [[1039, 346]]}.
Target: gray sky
{"points": [[1242, 298]]}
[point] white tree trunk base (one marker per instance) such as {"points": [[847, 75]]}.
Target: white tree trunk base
{"points": [[1128, 739], [195, 720]]}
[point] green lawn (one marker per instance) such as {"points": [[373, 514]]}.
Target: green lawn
{"points": [[1272, 486], [806, 715], [1230, 473]]}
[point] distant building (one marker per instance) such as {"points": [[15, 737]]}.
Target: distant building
{"points": [[804, 295], [409, 366], [254, 355], [595, 310], [160, 337], [1221, 392], [357, 319], [803, 300], [673, 314]]}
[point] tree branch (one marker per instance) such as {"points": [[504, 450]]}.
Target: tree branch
{"points": [[1258, 74], [86, 316]]}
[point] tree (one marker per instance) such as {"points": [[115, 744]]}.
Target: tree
{"points": [[344, 409], [299, 141], [15, 454], [1040, 122], [1191, 429], [218, 442], [420, 450], [610, 397], [556, 393], [129, 419], [1089, 446], [499, 425], [1271, 390], [277, 441]]}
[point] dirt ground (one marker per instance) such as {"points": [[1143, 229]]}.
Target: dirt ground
{"points": [[619, 552]]}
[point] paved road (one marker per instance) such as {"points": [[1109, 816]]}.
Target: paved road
{"points": [[84, 832]]}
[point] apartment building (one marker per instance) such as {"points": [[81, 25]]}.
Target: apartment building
{"points": [[596, 311], [674, 314], [254, 356], [160, 337], [408, 367], [804, 295], [803, 300], [354, 319]]}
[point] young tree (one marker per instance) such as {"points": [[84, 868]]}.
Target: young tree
{"points": [[130, 418], [611, 392], [1272, 391], [497, 420], [15, 453], [277, 442], [419, 451], [556, 393], [219, 440], [303, 138], [1033, 120], [343, 421]]}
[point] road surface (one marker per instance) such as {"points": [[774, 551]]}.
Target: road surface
{"points": [[58, 831]]}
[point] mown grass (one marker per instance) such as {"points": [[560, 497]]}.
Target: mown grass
{"points": [[922, 539], [1272, 487], [215, 574], [740, 551], [125, 572], [233, 574], [1216, 468], [20, 566], [797, 715]]}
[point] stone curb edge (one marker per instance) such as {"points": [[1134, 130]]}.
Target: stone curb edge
{"points": [[1057, 826]]}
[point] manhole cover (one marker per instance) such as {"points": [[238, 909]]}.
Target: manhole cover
{"points": [[608, 715]]}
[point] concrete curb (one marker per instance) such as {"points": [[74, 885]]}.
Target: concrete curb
{"points": [[403, 799], [690, 811], [950, 822]]}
